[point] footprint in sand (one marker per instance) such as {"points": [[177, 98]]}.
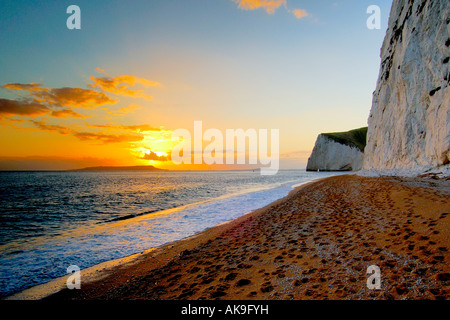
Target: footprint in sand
{"points": [[243, 282]]}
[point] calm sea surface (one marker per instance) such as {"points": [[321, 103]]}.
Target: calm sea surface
{"points": [[50, 220]]}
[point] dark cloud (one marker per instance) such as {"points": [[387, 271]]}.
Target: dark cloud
{"points": [[22, 108], [67, 113], [52, 101], [34, 100], [58, 102], [72, 97]]}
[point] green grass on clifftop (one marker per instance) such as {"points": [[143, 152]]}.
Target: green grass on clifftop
{"points": [[353, 138]]}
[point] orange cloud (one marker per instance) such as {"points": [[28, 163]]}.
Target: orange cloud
{"points": [[67, 113], [22, 108], [50, 127], [60, 102], [57, 102], [120, 85], [130, 109], [65, 97], [10, 121], [87, 136], [24, 86], [300, 13], [137, 128], [269, 5], [150, 155], [100, 70], [142, 127], [107, 138], [73, 97]]}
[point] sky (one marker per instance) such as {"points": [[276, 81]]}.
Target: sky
{"points": [[114, 91]]}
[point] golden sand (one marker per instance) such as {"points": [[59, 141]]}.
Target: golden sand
{"points": [[316, 243]]}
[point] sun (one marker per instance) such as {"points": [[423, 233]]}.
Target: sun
{"points": [[155, 147]]}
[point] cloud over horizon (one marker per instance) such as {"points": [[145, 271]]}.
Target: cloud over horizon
{"points": [[137, 128], [35, 101], [150, 155], [108, 138], [104, 138]]}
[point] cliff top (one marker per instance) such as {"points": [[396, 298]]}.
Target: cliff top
{"points": [[353, 138]]}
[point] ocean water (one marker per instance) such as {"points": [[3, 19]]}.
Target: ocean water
{"points": [[50, 220]]}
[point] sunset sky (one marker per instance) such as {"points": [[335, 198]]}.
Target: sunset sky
{"points": [[113, 92]]}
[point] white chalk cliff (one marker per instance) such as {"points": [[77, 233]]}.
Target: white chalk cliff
{"points": [[409, 122], [329, 155]]}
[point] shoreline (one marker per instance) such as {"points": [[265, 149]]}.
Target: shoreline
{"points": [[315, 243], [101, 270]]}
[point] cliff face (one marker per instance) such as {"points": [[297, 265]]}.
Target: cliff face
{"points": [[409, 123], [331, 155]]}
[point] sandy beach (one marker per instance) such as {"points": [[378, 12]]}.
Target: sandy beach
{"points": [[316, 243]]}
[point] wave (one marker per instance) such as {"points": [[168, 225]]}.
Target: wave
{"points": [[35, 261]]}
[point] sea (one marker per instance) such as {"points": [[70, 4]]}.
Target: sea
{"points": [[52, 220]]}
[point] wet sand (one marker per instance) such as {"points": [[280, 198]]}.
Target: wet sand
{"points": [[314, 244]]}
